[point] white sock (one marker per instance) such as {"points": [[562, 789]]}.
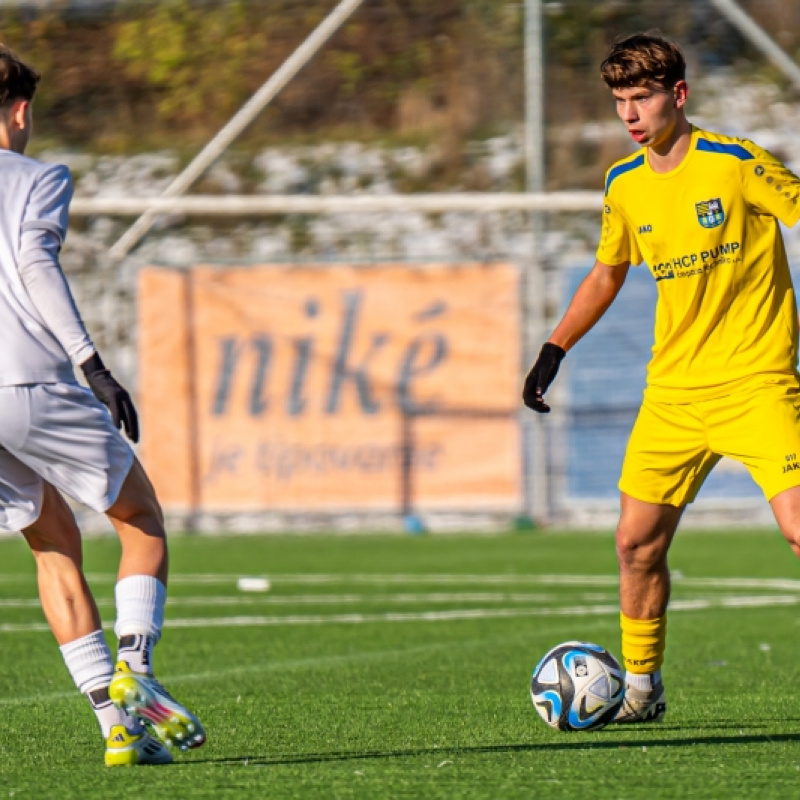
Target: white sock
{"points": [[88, 660], [140, 617], [643, 683]]}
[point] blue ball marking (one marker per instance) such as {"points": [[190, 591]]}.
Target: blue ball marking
{"points": [[554, 699]]}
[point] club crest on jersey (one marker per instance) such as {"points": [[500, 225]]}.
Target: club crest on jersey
{"points": [[710, 213]]}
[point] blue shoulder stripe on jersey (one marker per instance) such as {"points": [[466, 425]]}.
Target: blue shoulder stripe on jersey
{"points": [[621, 169], [727, 149]]}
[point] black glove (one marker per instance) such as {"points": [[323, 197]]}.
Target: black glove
{"points": [[111, 394], [541, 376]]}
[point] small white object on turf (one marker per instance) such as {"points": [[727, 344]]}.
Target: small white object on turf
{"points": [[253, 585]]}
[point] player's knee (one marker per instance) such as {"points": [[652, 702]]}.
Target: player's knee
{"points": [[143, 512], [47, 536], [137, 503], [637, 551], [55, 530], [626, 549]]}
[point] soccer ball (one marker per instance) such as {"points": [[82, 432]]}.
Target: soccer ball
{"points": [[577, 686]]}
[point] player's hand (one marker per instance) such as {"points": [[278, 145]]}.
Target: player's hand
{"points": [[113, 395], [541, 376]]}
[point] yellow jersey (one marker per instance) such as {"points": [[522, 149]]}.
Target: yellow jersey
{"points": [[708, 231]]}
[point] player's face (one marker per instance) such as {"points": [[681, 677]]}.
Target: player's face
{"points": [[651, 113]]}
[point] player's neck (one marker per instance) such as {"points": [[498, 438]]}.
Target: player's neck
{"points": [[668, 154], [8, 141]]}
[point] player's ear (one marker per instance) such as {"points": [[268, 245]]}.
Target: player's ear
{"points": [[681, 92], [19, 114]]}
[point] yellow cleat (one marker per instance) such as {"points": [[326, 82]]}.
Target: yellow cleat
{"points": [[146, 699], [125, 749]]}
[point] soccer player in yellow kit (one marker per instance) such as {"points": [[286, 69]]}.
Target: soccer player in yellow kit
{"points": [[701, 210]]}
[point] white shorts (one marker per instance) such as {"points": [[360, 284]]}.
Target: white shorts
{"points": [[59, 433]]}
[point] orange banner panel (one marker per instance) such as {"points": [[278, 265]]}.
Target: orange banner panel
{"points": [[309, 387], [165, 385]]}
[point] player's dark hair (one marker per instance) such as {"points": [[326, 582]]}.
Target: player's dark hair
{"points": [[641, 59], [17, 80]]}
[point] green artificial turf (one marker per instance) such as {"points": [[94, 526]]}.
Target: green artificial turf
{"points": [[399, 666]]}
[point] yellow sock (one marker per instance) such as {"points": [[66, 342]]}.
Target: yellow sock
{"points": [[643, 643]]}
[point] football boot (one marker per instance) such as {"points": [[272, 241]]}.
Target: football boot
{"points": [[145, 698], [642, 706], [126, 749]]}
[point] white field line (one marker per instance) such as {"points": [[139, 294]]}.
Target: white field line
{"points": [[258, 599], [318, 579], [785, 584], [435, 616]]}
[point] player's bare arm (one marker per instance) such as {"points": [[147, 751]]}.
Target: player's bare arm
{"points": [[591, 300]]}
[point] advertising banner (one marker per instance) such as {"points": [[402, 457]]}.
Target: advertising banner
{"points": [[331, 388]]}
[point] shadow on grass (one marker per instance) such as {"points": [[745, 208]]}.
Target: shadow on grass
{"points": [[544, 747]]}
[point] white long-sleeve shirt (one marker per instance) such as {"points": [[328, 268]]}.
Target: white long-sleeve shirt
{"points": [[41, 332]]}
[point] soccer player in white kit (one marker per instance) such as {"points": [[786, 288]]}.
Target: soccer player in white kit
{"points": [[57, 436]]}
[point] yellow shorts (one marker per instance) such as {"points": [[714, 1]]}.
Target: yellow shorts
{"points": [[673, 446]]}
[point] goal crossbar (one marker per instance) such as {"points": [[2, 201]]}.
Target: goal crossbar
{"points": [[274, 205]]}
